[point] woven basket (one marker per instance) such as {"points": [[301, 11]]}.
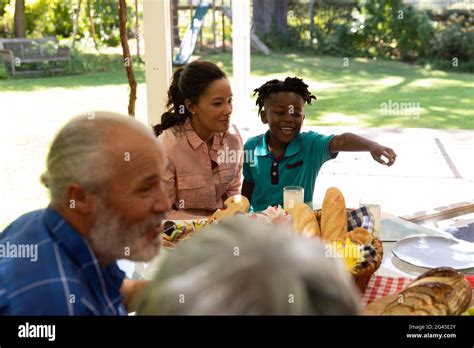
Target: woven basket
{"points": [[363, 274]]}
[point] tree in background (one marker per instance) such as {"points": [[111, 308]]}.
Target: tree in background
{"points": [[90, 14], [20, 30], [137, 31], [127, 58], [268, 14], [76, 23]]}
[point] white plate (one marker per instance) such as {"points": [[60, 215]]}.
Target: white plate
{"points": [[431, 252]]}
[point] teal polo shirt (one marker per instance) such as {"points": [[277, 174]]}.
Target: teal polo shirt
{"points": [[304, 157]]}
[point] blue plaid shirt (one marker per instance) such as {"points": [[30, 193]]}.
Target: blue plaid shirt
{"points": [[47, 268]]}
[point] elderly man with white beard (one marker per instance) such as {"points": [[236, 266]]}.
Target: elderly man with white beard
{"points": [[104, 174]]}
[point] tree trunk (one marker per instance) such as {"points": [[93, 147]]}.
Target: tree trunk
{"points": [[19, 18], [270, 12], [127, 58], [175, 19], [280, 15], [91, 21], [137, 32], [76, 24], [311, 19]]}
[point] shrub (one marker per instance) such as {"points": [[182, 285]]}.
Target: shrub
{"points": [[396, 30], [455, 37]]}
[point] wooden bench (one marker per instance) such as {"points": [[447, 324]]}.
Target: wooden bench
{"points": [[23, 52]]}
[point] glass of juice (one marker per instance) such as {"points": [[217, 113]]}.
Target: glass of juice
{"points": [[292, 195]]}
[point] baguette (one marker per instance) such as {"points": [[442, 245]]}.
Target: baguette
{"points": [[333, 216]]}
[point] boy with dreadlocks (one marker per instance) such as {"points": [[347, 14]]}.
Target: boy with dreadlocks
{"points": [[285, 157]]}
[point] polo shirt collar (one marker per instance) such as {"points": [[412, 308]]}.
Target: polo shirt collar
{"points": [[294, 147], [195, 141]]}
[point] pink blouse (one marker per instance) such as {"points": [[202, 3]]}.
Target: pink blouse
{"points": [[194, 188]]}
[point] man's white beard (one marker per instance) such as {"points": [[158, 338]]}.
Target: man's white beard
{"points": [[113, 237]]}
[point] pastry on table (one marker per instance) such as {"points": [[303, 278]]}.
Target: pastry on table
{"points": [[233, 205], [361, 236]]}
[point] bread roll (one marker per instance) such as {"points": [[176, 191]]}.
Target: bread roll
{"points": [[304, 221], [334, 216], [361, 236]]}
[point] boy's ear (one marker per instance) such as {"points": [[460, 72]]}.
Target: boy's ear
{"points": [[263, 116]]}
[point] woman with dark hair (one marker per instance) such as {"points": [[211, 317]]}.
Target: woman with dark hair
{"points": [[204, 150]]}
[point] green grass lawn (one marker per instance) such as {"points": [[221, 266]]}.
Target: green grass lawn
{"points": [[355, 94], [347, 95]]}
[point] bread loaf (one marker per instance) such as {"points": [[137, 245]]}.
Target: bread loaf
{"points": [[439, 291], [333, 216], [304, 221]]}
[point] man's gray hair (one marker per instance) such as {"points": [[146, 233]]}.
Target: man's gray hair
{"points": [[80, 152], [242, 267]]}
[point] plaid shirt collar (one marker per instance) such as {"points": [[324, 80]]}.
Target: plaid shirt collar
{"points": [[82, 254]]}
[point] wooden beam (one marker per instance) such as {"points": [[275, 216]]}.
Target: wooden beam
{"points": [[241, 61], [442, 215]]}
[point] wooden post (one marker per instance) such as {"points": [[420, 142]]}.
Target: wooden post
{"points": [[241, 61], [172, 21], [158, 57]]}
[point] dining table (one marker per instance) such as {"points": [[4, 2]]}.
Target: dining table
{"points": [[394, 229], [390, 278]]}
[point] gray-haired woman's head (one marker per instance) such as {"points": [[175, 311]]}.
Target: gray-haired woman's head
{"points": [[242, 267], [80, 152]]}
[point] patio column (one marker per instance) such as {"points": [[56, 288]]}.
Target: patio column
{"points": [[241, 62], [158, 56]]}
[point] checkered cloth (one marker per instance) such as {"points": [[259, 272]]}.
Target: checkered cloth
{"points": [[369, 253], [379, 287], [470, 279], [360, 217]]}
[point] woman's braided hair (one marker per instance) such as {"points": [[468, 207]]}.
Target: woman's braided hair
{"points": [[291, 84]]}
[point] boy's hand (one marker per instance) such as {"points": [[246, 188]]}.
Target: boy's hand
{"points": [[377, 151]]}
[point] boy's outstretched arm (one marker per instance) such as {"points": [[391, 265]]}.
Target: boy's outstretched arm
{"points": [[354, 142], [247, 189]]}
